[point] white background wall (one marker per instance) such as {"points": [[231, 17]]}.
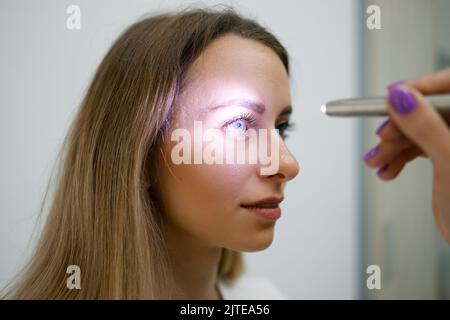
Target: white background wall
{"points": [[45, 69]]}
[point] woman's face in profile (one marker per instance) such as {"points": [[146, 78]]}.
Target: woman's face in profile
{"points": [[203, 201]]}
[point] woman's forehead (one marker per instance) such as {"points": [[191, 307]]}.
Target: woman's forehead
{"points": [[236, 68], [232, 56]]}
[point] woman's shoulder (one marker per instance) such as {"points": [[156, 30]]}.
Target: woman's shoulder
{"points": [[251, 288]]}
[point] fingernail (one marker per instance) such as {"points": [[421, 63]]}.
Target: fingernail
{"points": [[385, 122], [371, 153], [382, 169], [395, 84], [402, 100]]}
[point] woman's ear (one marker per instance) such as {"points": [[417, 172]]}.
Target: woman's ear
{"points": [[147, 181]]}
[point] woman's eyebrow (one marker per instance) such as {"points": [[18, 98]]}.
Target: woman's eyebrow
{"points": [[256, 106]]}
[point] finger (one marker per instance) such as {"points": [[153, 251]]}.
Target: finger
{"points": [[393, 168], [385, 152], [419, 121], [389, 131], [438, 82]]}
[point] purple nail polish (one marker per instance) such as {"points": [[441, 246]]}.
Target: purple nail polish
{"points": [[396, 84], [385, 122], [371, 153], [382, 169], [402, 100]]}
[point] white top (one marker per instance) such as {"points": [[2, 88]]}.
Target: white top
{"points": [[249, 288]]}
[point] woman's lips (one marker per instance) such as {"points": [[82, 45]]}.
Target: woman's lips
{"points": [[268, 213], [267, 208]]}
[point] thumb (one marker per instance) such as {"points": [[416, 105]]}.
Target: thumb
{"points": [[419, 121]]}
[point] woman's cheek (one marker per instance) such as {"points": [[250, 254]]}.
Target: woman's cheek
{"points": [[213, 190], [205, 198]]}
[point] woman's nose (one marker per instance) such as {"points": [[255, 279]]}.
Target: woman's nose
{"points": [[286, 166]]}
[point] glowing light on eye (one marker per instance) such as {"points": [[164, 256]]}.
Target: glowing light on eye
{"points": [[323, 108], [239, 125]]}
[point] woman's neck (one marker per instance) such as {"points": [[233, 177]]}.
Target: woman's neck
{"points": [[194, 266]]}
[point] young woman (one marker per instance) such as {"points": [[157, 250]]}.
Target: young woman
{"points": [[141, 225], [138, 225]]}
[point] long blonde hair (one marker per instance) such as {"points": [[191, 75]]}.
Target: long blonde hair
{"points": [[102, 216]]}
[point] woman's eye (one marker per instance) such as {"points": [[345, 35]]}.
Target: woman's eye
{"points": [[238, 126]]}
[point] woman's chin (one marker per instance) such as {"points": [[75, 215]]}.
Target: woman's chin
{"points": [[257, 242]]}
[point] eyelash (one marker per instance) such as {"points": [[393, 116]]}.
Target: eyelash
{"points": [[250, 120], [288, 126]]}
